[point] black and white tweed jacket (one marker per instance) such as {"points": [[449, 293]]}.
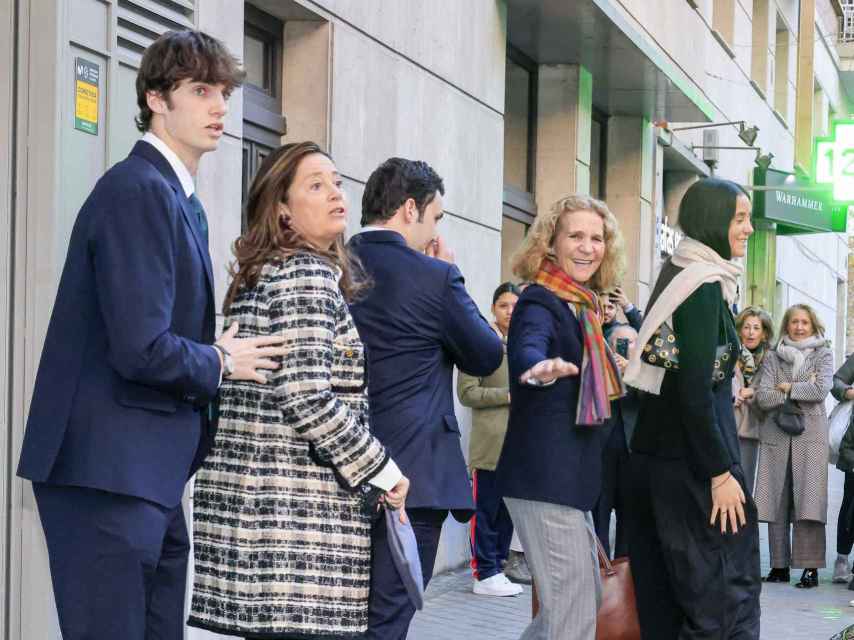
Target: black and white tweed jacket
{"points": [[282, 539]]}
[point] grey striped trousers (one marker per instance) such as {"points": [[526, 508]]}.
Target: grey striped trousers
{"points": [[560, 552]]}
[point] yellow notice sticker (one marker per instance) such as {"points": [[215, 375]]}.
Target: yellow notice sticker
{"points": [[87, 76]]}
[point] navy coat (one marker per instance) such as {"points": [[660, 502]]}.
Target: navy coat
{"points": [[126, 372], [546, 457], [417, 322]]}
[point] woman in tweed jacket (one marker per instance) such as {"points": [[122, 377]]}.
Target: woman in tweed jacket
{"points": [[791, 484], [283, 505]]}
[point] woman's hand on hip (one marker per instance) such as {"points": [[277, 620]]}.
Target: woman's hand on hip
{"points": [[784, 387], [727, 502], [547, 371]]}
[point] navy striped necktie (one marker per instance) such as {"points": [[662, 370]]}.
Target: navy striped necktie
{"points": [[199, 210]]}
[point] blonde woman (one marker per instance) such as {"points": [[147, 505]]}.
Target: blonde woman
{"points": [[791, 484], [562, 381]]}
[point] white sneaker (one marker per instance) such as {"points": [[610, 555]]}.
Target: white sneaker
{"points": [[841, 570], [497, 585]]}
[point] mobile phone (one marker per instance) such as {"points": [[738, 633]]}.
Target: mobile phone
{"points": [[623, 347]]}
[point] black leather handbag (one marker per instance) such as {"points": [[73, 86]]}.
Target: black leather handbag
{"points": [[662, 350], [789, 418]]}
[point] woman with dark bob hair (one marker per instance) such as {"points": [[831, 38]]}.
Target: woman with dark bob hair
{"points": [[756, 332], [284, 503], [693, 580]]}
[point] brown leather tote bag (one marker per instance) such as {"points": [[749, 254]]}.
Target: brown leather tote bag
{"points": [[618, 614]]}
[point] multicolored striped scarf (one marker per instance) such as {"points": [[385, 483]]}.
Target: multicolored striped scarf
{"points": [[600, 380]]}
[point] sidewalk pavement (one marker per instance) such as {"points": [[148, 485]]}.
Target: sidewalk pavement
{"points": [[453, 612]]}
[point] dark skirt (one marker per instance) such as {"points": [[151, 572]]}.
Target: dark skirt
{"points": [[690, 580]]}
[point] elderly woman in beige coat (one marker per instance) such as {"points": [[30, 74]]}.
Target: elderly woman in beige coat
{"points": [[791, 484], [489, 399]]}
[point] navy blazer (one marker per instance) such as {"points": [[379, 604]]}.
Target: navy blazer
{"points": [[417, 322], [120, 397], [545, 456]]}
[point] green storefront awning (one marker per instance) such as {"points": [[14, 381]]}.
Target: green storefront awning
{"points": [[799, 206]]}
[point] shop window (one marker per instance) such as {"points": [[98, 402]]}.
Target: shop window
{"points": [[263, 120], [519, 121], [598, 149], [761, 28], [513, 232], [819, 112], [782, 44], [723, 24]]}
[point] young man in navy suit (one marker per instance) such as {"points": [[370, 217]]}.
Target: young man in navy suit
{"points": [[120, 418], [417, 322]]}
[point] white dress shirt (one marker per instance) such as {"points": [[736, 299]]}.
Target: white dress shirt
{"points": [[174, 161]]}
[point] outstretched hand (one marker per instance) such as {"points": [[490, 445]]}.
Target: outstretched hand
{"points": [[547, 371]]}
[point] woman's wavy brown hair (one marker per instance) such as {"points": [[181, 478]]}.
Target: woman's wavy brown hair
{"points": [[269, 237], [538, 243]]}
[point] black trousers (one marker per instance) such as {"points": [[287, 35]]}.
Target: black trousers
{"points": [[491, 527], [390, 610], [845, 521], [691, 582], [118, 564], [615, 479]]}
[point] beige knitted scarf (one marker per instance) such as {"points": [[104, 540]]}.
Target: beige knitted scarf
{"points": [[700, 265]]}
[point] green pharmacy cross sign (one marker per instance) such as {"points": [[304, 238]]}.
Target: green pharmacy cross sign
{"points": [[834, 161]]}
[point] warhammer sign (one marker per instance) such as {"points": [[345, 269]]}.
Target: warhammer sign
{"points": [[798, 206]]}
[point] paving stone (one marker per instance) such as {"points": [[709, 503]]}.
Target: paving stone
{"points": [[453, 612]]}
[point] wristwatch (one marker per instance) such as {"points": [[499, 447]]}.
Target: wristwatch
{"points": [[227, 362]]}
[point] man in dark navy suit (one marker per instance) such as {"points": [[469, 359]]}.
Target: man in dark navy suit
{"points": [[417, 322], [119, 418]]}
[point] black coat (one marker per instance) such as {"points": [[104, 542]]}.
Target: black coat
{"points": [[545, 456], [692, 419]]}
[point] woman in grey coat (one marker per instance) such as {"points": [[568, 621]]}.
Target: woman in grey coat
{"points": [[791, 485]]}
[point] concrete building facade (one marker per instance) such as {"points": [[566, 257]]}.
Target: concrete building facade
{"points": [[514, 102]]}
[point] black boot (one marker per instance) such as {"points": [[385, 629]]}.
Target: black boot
{"points": [[809, 579], [777, 575]]}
